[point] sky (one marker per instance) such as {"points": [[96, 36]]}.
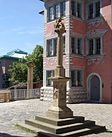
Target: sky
{"points": [[21, 25]]}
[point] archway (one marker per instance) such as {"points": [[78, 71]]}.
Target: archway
{"points": [[94, 87]]}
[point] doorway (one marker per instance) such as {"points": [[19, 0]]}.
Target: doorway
{"points": [[94, 84]]}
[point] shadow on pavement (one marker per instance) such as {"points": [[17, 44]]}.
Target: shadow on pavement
{"points": [[7, 135], [108, 131]]}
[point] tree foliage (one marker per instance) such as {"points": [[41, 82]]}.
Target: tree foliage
{"points": [[18, 72], [19, 69]]}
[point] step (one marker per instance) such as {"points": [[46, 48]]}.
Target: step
{"points": [[60, 122], [95, 129], [27, 127], [34, 130], [77, 133], [59, 129]]}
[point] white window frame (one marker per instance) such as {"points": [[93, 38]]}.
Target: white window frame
{"points": [[76, 45], [94, 46], [51, 47], [76, 84], [57, 11], [48, 81], [51, 13], [76, 8], [94, 9]]}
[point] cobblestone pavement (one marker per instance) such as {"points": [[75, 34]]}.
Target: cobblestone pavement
{"points": [[14, 112]]}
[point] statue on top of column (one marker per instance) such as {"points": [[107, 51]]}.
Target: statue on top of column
{"points": [[59, 26]]}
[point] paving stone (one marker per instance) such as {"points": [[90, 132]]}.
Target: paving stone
{"points": [[14, 112]]}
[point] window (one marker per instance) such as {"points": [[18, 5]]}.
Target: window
{"points": [[56, 11], [77, 78], [98, 45], [76, 9], [94, 46], [51, 47], [76, 45], [90, 12], [91, 47], [94, 9], [97, 11], [49, 73], [79, 46], [51, 13], [63, 8], [79, 10], [57, 8]]}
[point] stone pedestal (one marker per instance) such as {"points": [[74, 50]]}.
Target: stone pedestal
{"points": [[58, 107]]}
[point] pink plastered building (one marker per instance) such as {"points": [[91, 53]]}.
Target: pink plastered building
{"points": [[87, 54]]}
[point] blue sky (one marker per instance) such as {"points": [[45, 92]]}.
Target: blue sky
{"points": [[21, 27]]}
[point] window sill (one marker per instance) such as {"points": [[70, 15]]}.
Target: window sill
{"points": [[54, 20], [77, 87], [94, 19], [94, 56], [50, 56], [77, 55], [49, 85], [75, 17]]}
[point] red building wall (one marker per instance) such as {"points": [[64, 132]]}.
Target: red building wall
{"points": [[101, 65]]}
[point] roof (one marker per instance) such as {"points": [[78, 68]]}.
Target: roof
{"points": [[15, 54]]}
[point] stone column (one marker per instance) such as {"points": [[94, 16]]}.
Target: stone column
{"points": [[58, 107], [29, 78]]}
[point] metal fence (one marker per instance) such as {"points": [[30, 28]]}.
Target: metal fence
{"points": [[19, 94]]}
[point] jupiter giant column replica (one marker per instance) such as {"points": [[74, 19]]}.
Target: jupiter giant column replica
{"points": [[58, 108]]}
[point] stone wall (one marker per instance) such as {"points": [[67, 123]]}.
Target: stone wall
{"points": [[73, 95]]}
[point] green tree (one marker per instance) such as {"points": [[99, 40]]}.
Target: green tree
{"points": [[38, 60], [18, 71]]}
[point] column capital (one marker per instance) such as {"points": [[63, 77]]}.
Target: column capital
{"points": [[30, 64]]}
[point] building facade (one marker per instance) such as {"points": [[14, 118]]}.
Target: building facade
{"points": [[5, 62], [87, 54]]}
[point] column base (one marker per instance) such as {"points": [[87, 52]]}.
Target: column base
{"points": [[59, 112]]}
